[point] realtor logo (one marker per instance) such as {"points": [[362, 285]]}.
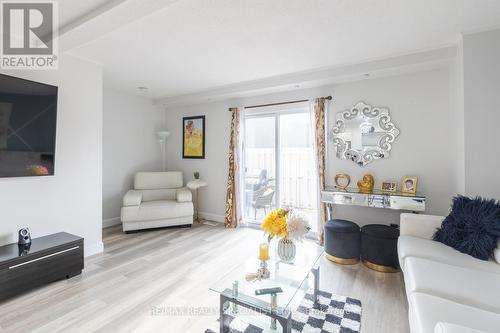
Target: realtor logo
{"points": [[28, 35]]}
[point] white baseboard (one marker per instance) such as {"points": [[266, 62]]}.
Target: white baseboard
{"points": [[206, 216], [212, 217], [92, 249], [111, 222]]}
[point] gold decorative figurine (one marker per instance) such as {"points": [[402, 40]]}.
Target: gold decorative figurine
{"points": [[366, 184], [346, 180]]}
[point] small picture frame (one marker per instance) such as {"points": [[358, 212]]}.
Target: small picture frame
{"points": [[409, 184], [389, 186]]}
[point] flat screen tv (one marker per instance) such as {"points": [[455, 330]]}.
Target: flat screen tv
{"points": [[28, 117]]}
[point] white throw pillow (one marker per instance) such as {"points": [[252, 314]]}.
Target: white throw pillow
{"points": [[496, 253]]}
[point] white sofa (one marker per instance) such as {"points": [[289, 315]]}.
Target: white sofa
{"points": [[157, 200], [447, 291]]}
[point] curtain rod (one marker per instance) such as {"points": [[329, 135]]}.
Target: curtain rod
{"points": [[283, 103]]}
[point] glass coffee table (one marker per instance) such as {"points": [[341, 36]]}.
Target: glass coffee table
{"points": [[292, 277]]}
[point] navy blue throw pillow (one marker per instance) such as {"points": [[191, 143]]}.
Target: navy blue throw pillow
{"points": [[472, 227]]}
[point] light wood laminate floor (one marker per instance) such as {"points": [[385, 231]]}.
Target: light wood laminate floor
{"points": [[175, 267]]}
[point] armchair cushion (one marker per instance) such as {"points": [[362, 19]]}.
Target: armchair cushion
{"points": [[496, 253], [157, 180], [419, 225], [132, 198], [183, 195], [452, 328], [157, 210], [159, 194], [428, 310], [416, 247], [458, 284]]}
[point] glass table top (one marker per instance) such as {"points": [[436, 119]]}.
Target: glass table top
{"points": [[291, 277]]}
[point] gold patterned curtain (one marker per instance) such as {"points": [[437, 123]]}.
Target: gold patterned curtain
{"points": [[231, 215], [318, 114]]}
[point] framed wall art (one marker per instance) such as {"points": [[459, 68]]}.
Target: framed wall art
{"points": [[193, 137]]}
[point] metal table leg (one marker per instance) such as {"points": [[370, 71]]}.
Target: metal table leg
{"points": [[329, 211], [281, 315], [197, 218], [315, 272], [274, 304], [222, 308]]}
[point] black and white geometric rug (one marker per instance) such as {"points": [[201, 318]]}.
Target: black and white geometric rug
{"points": [[333, 314]]}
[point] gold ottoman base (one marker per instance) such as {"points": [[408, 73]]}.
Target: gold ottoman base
{"points": [[380, 268], [342, 261]]}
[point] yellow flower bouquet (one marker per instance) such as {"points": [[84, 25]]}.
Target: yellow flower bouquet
{"points": [[274, 225], [283, 223]]}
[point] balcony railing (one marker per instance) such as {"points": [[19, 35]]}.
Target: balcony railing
{"points": [[297, 175]]}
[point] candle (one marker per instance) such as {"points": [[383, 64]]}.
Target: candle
{"points": [[264, 251]]}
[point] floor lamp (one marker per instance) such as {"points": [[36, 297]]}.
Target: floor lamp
{"points": [[162, 140]]}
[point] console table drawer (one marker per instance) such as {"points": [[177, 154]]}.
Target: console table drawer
{"points": [[408, 203], [375, 199], [355, 199]]}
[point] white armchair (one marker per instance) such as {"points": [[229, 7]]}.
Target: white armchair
{"points": [[157, 200]]}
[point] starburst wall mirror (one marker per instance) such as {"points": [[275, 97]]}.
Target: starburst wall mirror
{"points": [[363, 134]]}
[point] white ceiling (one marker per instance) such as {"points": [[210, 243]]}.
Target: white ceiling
{"points": [[186, 46], [71, 10]]}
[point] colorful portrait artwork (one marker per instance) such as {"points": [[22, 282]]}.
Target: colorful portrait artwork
{"points": [[193, 137]]}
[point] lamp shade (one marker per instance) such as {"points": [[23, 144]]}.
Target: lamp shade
{"points": [[163, 135]]}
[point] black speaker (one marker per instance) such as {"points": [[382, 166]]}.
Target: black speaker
{"points": [[24, 236], [24, 249]]}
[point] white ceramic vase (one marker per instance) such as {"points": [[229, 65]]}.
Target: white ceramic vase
{"points": [[286, 249]]}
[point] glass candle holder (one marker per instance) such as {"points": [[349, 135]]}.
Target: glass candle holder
{"points": [[264, 251]]}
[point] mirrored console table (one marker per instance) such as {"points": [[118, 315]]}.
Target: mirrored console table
{"points": [[378, 199]]}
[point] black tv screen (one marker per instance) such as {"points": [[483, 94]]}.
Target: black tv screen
{"points": [[28, 117]]}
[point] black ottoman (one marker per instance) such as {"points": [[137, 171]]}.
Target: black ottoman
{"points": [[379, 247], [342, 241]]}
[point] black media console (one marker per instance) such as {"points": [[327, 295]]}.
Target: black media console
{"points": [[46, 259]]}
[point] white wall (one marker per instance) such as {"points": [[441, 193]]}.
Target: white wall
{"points": [[215, 165], [420, 107], [419, 103], [129, 145], [71, 199], [457, 105], [481, 75]]}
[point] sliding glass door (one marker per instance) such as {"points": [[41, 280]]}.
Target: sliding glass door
{"points": [[260, 160], [279, 164], [298, 186]]}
